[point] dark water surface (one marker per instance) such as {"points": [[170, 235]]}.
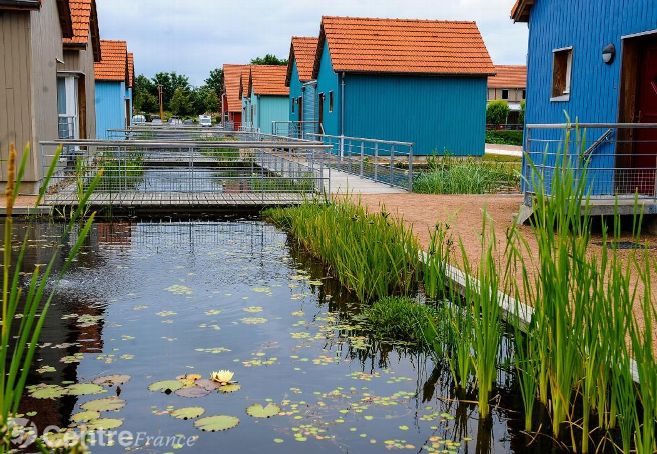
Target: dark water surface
{"points": [[156, 300]]}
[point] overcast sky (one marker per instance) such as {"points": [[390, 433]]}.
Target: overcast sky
{"points": [[194, 36]]}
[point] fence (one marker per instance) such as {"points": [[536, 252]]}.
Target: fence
{"points": [[164, 171], [620, 159], [297, 129]]}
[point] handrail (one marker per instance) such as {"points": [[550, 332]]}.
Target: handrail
{"points": [[598, 142], [592, 125], [360, 139], [186, 144]]}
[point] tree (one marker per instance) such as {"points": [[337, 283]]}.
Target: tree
{"points": [[170, 83], [211, 101], [497, 112], [181, 103], [146, 102], [521, 117], [216, 81], [269, 59]]}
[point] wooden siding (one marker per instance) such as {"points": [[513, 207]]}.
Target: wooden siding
{"points": [[110, 107], [295, 92], [327, 81], [269, 109], [515, 94], [438, 114]]}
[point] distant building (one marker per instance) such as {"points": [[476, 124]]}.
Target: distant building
{"points": [[303, 89], [409, 80], [231, 106], [268, 97], [47, 81], [509, 84], [245, 99], [113, 91], [597, 61]]}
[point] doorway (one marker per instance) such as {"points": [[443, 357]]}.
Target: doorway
{"points": [[320, 112]]}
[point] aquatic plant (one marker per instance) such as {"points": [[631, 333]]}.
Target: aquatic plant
{"points": [[28, 307], [435, 265], [222, 377], [399, 319], [371, 253]]}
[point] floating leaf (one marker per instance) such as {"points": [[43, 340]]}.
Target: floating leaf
{"points": [[207, 384], [105, 404], [104, 424], [111, 380], [43, 391], [84, 389], [213, 350], [230, 388], [45, 369], [253, 309], [166, 386], [188, 412], [253, 320], [222, 377], [192, 392], [76, 358], [258, 411], [85, 416], [180, 290], [216, 423], [212, 312]]}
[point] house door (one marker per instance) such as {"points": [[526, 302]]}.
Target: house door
{"points": [[320, 112], [644, 161], [300, 130], [67, 107]]}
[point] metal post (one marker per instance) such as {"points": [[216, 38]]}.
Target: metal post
{"points": [[191, 166], [392, 164], [376, 161], [351, 155], [410, 169], [362, 157], [341, 147]]}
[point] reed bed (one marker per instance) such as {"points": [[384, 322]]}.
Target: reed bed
{"points": [[371, 254]]}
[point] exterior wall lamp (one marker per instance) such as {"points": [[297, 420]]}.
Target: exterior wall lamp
{"points": [[608, 54]]}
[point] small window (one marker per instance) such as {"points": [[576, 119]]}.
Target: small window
{"points": [[294, 101], [505, 94], [524, 94], [561, 74], [330, 101]]}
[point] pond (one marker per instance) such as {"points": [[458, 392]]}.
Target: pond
{"points": [[152, 301]]}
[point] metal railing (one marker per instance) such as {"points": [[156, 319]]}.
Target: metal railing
{"points": [[151, 172], [620, 159], [297, 129], [384, 161]]}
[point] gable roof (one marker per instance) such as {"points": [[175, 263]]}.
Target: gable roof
{"points": [[131, 69], [84, 18], [245, 80], [269, 80], [520, 10], [63, 10], [509, 76], [403, 46], [113, 64], [302, 51], [232, 80]]}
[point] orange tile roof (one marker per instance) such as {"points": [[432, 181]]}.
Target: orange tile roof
{"points": [[232, 79], [404, 46], [245, 81], [509, 76], [131, 69], [269, 80], [302, 51], [114, 61], [85, 23], [520, 10]]}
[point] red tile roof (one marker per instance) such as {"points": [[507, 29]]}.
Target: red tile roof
{"points": [[269, 80], [509, 76], [114, 61], [245, 80], [404, 46], [131, 69], [232, 78], [85, 23], [302, 51], [520, 10]]}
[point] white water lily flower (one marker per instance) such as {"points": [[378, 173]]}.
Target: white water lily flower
{"points": [[222, 376]]}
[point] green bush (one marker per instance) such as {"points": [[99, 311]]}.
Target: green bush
{"points": [[505, 137], [497, 112], [399, 319]]}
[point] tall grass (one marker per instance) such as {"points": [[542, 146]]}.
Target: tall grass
{"points": [[370, 253], [31, 305]]}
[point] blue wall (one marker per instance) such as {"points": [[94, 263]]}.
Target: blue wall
{"points": [[437, 114], [128, 96], [110, 107], [587, 27], [269, 109], [295, 92]]}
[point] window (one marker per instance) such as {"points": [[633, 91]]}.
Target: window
{"points": [[67, 107], [505, 94], [524, 94], [330, 101], [294, 101], [561, 74]]}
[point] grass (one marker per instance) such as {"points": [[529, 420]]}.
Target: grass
{"points": [[304, 183], [504, 137], [223, 153], [399, 319], [119, 172], [371, 254], [451, 175]]}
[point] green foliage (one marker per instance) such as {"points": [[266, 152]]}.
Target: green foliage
{"points": [[170, 82], [215, 82], [450, 175], [521, 117], [497, 112], [181, 103], [371, 254], [145, 102], [269, 59], [504, 137], [395, 319], [123, 171]]}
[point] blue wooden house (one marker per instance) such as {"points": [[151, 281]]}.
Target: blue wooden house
{"points": [[113, 91], [245, 99], [268, 97], [303, 89], [597, 61], [417, 81]]}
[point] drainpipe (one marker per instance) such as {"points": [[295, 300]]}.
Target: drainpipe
{"points": [[342, 87]]}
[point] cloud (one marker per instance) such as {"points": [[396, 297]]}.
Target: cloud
{"points": [[194, 36]]}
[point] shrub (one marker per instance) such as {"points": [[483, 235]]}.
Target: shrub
{"points": [[399, 319], [497, 112], [505, 137]]}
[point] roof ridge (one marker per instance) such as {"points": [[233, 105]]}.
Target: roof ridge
{"points": [[399, 19]]}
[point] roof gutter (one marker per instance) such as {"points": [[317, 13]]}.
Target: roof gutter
{"points": [[342, 90]]}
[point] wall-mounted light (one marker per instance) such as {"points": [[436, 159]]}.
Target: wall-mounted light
{"points": [[608, 54]]}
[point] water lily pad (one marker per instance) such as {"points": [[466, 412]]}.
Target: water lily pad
{"points": [[46, 369], [104, 424], [192, 392], [84, 389], [180, 290], [258, 411], [166, 386], [111, 380], [207, 384], [216, 423], [188, 412], [43, 391], [105, 404], [85, 416], [229, 388]]}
